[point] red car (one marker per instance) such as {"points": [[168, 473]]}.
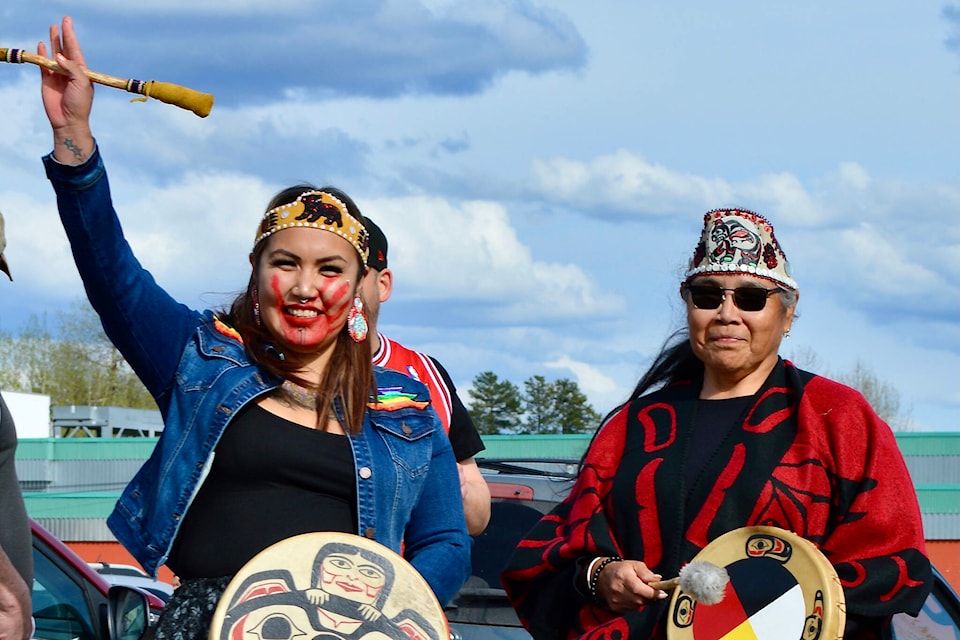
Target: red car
{"points": [[71, 601]]}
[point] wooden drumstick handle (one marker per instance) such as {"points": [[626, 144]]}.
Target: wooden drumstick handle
{"points": [[199, 103], [666, 585], [703, 581]]}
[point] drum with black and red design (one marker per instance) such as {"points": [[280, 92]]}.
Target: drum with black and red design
{"points": [[781, 587], [329, 586]]}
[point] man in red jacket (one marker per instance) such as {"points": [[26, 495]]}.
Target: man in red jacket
{"points": [[377, 287]]}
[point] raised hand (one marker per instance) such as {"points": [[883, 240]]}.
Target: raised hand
{"points": [[67, 99]]}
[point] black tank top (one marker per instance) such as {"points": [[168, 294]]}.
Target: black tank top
{"points": [[270, 479]]}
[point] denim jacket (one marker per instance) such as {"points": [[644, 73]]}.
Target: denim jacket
{"points": [[199, 373]]}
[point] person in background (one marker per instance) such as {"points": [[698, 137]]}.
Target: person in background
{"points": [[377, 287], [275, 422], [722, 433], [16, 547], [3, 245]]}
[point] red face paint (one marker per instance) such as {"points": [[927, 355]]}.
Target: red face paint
{"points": [[305, 290], [314, 323]]}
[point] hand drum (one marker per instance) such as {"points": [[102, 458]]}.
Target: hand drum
{"points": [[331, 586], [781, 586]]}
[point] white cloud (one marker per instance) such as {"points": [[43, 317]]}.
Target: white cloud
{"points": [[40, 260], [783, 198], [854, 175], [470, 253], [24, 132], [588, 377], [626, 182], [886, 238], [200, 225], [885, 262]]}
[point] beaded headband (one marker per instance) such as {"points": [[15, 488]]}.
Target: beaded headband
{"points": [[316, 210], [739, 241]]}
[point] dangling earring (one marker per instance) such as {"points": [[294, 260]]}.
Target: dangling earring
{"points": [[256, 305], [786, 335], [357, 321]]}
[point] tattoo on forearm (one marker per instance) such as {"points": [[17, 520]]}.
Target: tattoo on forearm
{"points": [[77, 151]]}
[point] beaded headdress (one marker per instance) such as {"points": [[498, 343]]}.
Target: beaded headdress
{"points": [[739, 241], [316, 210]]}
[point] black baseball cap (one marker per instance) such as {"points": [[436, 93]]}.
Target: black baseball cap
{"points": [[377, 259]]}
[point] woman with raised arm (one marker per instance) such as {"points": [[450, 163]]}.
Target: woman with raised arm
{"points": [[280, 387]]}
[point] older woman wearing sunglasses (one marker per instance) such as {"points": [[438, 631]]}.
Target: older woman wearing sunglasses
{"points": [[722, 433]]}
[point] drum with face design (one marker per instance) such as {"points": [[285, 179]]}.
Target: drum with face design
{"points": [[332, 586], [781, 586]]}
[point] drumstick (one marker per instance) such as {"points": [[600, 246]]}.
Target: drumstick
{"points": [[199, 103], [704, 581]]}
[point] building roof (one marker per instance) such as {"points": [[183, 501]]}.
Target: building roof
{"points": [[66, 493]]}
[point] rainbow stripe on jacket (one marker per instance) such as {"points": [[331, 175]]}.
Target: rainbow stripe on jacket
{"points": [[393, 398]]}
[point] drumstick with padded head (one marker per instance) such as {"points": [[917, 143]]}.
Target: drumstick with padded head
{"points": [[704, 581], [199, 103]]}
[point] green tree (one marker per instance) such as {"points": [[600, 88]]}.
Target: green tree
{"points": [[556, 407], [573, 413], [539, 406], [495, 404], [79, 367]]}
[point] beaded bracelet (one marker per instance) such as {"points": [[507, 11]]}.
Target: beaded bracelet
{"points": [[595, 577]]}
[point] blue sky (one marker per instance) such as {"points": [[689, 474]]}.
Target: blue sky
{"points": [[540, 168]]}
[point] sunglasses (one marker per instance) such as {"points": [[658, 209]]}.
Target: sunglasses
{"points": [[708, 296]]}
